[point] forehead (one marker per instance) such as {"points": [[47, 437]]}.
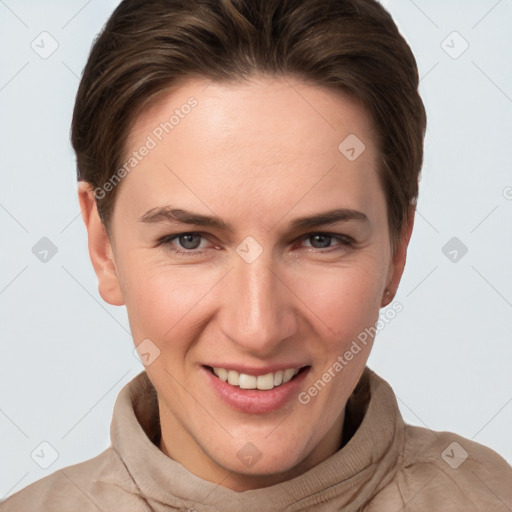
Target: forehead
{"points": [[254, 143], [280, 112]]}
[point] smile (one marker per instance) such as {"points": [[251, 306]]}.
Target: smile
{"points": [[256, 394], [261, 382]]}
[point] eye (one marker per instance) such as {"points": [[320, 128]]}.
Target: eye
{"points": [[324, 241], [188, 242]]}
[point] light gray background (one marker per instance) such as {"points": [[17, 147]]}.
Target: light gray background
{"points": [[66, 354]]}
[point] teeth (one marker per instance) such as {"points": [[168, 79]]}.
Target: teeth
{"points": [[222, 374], [247, 381], [288, 374], [278, 377], [265, 382], [262, 382], [233, 377]]}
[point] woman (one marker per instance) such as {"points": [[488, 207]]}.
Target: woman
{"points": [[248, 173]]}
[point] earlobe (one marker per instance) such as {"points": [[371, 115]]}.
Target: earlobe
{"points": [[386, 298], [100, 248]]}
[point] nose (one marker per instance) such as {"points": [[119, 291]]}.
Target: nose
{"points": [[257, 308]]}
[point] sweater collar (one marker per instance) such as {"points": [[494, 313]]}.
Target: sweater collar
{"points": [[345, 481]]}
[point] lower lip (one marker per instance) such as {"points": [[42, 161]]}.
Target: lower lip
{"points": [[255, 401]]}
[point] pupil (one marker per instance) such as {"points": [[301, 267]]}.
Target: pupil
{"points": [[325, 238], [187, 241]]}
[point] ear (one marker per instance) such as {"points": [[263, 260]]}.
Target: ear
{"points": [[397, 264], [100, 248]]}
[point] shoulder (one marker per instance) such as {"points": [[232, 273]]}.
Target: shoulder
{"points": [[446, 472], [96, 484]]}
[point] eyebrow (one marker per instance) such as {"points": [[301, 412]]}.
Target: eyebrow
{"points": [[177, 215]]}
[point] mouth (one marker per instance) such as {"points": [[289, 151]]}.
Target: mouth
{"points": [[264, 382], [256, 394]]}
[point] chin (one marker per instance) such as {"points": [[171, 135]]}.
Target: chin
{"points": [[253, 461]]}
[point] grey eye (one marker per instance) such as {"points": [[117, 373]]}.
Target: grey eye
{"points": [[323, 241], [187, 240]]}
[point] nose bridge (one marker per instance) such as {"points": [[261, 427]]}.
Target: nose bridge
{"points": [[260, 314]]}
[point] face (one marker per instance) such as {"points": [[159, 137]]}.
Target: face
{"points": [[248, 245]]}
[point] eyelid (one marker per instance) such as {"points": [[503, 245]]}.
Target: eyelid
{"points": [[344, 243], [166, 239], [344, 238]]}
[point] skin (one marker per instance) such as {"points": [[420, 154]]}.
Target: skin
{"points": [[256, 155]]}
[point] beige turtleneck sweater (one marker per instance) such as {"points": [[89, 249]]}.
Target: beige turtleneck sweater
{"points": [[386, 466]]}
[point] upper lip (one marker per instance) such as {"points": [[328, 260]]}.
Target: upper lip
{"points": [[256, 371]]}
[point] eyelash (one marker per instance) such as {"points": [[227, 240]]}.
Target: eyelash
{"points": [[344, 242]]}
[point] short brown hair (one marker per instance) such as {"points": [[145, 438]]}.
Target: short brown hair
{"points": [[352, 46]]}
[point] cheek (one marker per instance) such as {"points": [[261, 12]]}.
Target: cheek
{"points": [[344, 300], [165, 303]]}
